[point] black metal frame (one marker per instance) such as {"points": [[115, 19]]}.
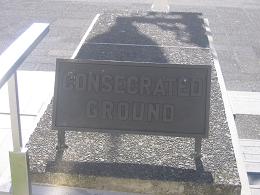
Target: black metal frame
{"points": [[198, 137], [203, 134]]}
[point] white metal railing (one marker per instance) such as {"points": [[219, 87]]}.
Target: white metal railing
{"points": [[10, 60]]}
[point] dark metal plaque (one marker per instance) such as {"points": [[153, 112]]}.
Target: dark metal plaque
{"points": [[164, 99]]}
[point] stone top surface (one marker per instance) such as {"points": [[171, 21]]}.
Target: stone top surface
{"points": [[142, 156], [183, 29], [178, 38]]}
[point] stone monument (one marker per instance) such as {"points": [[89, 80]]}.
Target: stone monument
{"points": [[129, 107]]}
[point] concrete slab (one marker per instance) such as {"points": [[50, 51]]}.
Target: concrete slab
{"points": [[251, 152], [244, 102], [255, 190]]}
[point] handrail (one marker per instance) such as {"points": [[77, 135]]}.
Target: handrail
{"points": [[15, 54], [10, 60]]}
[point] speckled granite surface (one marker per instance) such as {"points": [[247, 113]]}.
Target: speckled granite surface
{"points": [[181, 39]]}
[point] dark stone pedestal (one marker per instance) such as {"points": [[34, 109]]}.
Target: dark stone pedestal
{"points": [[139, 163]]}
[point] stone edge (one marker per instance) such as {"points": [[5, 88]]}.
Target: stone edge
{"points": [[133, 185], [229, 115]]}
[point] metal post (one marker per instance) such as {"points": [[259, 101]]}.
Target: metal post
{"points": [[15, 113], [19, 162], [198, 141], [61, 141], [19, 165]]}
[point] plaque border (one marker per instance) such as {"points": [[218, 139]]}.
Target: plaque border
{"points": [[59, 62]]}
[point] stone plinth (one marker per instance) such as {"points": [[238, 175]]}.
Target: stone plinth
{"points": [[142, 163]]}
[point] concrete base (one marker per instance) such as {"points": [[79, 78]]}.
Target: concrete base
{"points": [[19, 165], [64, 190], [155, 187]]}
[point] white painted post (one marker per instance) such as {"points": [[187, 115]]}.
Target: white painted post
{"points": [[15, 113], [19, 162], [19, 165], [160, 6], [10, 60]]}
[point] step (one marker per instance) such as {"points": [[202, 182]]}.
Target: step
{"points": [[244, 102], [251, 153]]}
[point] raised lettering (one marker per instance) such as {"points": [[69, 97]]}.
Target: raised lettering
{"points": [[123, 111], [132, 85], [153, 112], [171, 87], [69, 81], [81, 81], [119, 84], [93, 82], [106, 83], [145, 84], [92, 109], [168, 113], [196, 87], [138, 111], [159, 88], [183, 87], [107, 109]]}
